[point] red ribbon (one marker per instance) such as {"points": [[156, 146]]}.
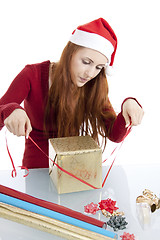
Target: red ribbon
{"points": [[14, 173], [128, 131], [62, 169]]}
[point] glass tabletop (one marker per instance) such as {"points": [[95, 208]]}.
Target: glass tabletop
{"points": [[123, 185]]}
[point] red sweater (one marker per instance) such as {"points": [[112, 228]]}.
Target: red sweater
{"points": [[31, 86]]}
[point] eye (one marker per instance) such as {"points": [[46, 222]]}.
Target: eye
{"points": [[85, 61], [99, 68]]}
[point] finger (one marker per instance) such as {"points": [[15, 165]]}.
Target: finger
{"points": [[21, 129], [28, 128], [135, 119], [141, 116], [8, 127], [127, 119], [12, 127]]}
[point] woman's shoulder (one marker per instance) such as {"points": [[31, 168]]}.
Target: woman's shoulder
{"points": [[41, 65], [37, 69]]}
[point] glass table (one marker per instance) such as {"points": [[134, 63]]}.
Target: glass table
{"points": [[123, 185]]}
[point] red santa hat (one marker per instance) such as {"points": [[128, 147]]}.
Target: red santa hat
{"points": [[97, 35]]}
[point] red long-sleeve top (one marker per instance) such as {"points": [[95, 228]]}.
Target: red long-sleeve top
{"points": [[31, 86]]}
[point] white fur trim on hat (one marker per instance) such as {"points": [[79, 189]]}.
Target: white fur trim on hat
{"points": [[109, 70], [93, 41]]}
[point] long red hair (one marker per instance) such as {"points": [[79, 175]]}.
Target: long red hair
{"points": [[72, 110]]}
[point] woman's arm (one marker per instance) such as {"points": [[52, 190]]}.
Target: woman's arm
{"points": [[131, 113], [11, 100]]}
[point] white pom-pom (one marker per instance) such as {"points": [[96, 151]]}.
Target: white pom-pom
{"points": [[109, 70]]}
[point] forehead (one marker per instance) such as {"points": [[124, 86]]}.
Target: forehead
{"points": [[94, 55]]}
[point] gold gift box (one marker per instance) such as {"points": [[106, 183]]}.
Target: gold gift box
{"points": [[80, 156]]}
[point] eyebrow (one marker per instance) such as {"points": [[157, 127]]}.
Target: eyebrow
{"points": [[103, 64]]}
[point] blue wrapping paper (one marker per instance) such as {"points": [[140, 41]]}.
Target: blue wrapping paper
{"points": [[55, 215]]}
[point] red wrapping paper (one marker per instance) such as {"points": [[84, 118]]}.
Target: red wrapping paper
{"points": [[52, 206]]}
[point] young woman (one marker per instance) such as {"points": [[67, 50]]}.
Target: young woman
{"points": [[68, 98]]}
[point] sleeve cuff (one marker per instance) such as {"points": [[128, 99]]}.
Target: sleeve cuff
{"points": [[118, 130], [7, 109]]}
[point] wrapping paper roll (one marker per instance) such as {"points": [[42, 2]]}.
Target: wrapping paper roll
{"points": [[47, 224], [52, 206], [55, 215]]}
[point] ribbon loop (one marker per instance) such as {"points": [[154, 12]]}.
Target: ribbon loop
{"points": [[14, 172]]}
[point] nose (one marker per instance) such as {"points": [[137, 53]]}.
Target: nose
{"points": [[89, 73]]}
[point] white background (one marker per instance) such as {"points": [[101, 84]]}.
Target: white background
{"points": [[34, 30]]}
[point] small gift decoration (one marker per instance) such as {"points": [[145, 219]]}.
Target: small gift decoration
{"points": [[108, 205], [117, 223], [150, 198], [146, 204], [127, 236], [91, 208]]}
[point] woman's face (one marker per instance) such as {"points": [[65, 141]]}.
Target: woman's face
{"points": [[86, 64]]}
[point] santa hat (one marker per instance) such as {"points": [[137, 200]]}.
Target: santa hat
{"points": [[97, 35]]}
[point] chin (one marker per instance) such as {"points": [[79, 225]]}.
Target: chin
{"points": [[80, 84]]}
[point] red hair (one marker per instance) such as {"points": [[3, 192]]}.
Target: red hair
{"points": [[72, 110]]}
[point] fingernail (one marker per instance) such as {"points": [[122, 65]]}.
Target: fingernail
{"points": [[127, 125], [27, 135]]}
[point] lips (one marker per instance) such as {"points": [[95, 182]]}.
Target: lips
{"points": [[83, 80]]}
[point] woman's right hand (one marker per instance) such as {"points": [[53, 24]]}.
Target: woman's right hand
{"points": [[18, 123]]}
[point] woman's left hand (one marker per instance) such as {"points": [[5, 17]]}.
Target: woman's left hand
{"points": [[132, 112]]}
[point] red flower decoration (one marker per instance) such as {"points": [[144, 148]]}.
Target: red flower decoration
{"points": [[127, 236], [108, 205], [91, 208]]}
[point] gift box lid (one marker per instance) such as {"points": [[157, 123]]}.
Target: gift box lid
{"points": [[74, 145]]}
